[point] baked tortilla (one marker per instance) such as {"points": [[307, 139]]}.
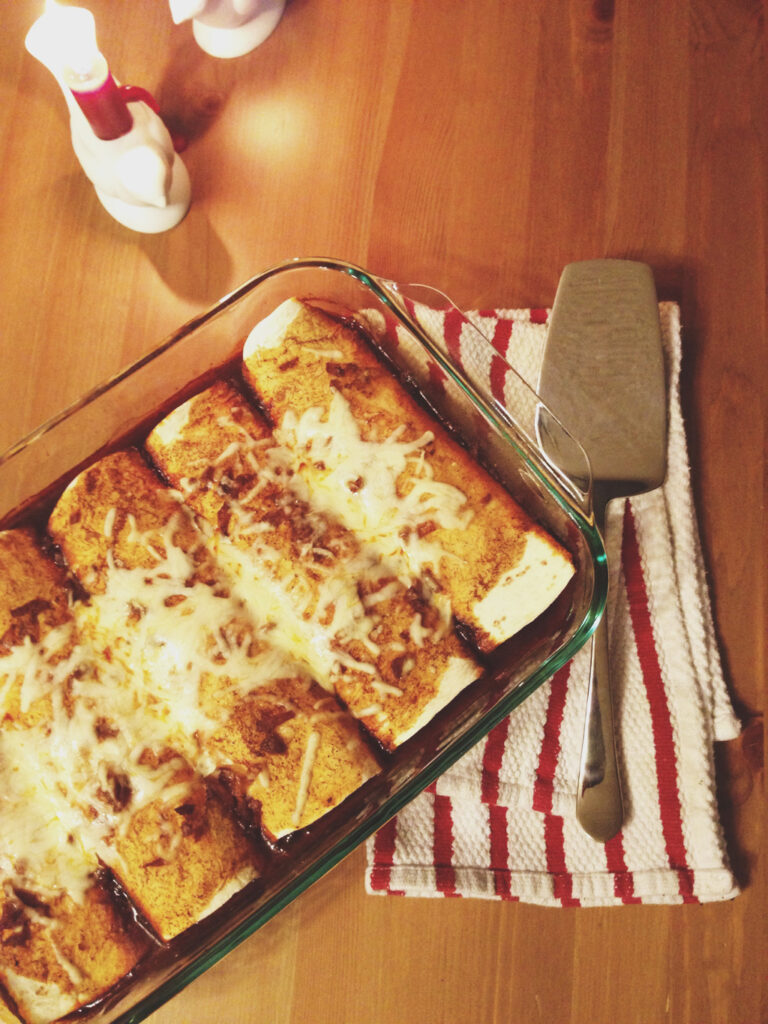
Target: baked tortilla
{"points": [[162, 606], [380, 644], [372, 456], [63, 942], [171, 840]]}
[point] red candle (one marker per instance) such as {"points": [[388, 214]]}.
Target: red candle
{"points": [[105, 108]]}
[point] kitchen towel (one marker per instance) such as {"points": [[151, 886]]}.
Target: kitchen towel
{"points": [[500, 823]]}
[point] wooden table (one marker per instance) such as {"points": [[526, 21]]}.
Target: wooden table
{"points": [[477, 147]]}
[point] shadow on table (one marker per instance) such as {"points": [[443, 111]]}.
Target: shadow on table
{"points": [[194, 90]]}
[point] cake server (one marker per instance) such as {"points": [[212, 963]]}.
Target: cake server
{"points": [[603, 377]]}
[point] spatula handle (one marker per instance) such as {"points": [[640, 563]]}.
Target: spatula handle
{"points": [[599, 805]]}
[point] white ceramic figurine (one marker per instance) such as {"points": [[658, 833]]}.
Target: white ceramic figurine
{"points": [[121, 142], [139, 178], [229, 28]]}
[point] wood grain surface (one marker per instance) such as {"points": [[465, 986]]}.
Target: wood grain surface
{"points": [[477, 147]]}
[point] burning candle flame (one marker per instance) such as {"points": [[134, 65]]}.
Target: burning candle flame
{"points": [[64, 39]]}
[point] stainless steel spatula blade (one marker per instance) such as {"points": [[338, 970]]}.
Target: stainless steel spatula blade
{"points": [[603, 370], [603, 377]]}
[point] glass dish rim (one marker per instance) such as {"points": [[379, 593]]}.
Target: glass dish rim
{"points": [[391, 295]]}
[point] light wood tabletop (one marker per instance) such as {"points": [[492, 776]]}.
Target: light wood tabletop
{"points": [[477, 147]]}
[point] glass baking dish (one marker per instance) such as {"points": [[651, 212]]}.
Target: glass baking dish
{"points": [[524, 447]]}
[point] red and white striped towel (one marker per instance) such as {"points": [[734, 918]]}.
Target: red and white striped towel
{"points": [[500, 823]]}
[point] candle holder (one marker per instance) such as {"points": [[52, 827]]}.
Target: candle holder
{"points": [[117, 134], [229, 28], [139, 178]]}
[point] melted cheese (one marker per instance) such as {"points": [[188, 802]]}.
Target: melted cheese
{"points": [[284, 605], [314, 615], [74, 777], [182, 654], [310, 756], [190, 649], [383, 490], [64, 772], [42, 846], [331, 598], [38, 667]]}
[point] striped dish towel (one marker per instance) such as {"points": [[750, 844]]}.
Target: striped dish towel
{"points": [[500, 823]]}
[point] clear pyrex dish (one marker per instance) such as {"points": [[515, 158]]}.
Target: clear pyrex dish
{"points": [[523, 446]]}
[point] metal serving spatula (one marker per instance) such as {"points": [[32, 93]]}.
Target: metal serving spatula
{"points": [[603, 377]]}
